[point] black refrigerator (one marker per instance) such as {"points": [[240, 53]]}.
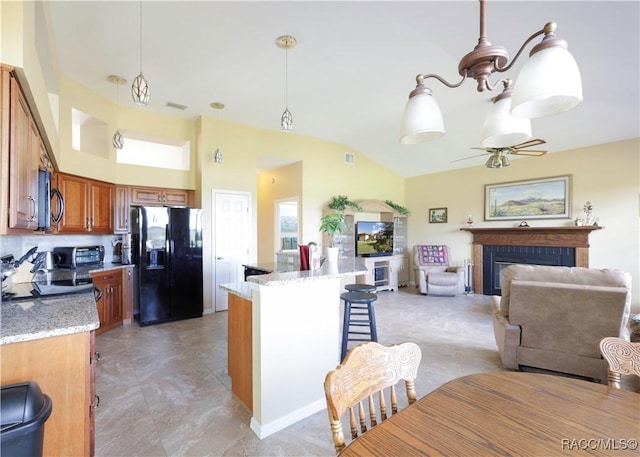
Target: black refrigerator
{"points": [[167, 245]]}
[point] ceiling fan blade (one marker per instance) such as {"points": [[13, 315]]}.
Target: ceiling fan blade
{"points": [[481, 149], [528, 152], [470, 157], [528, 144]]}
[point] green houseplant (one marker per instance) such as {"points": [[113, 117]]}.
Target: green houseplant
{"points": [[341, 202], [333, 224]]}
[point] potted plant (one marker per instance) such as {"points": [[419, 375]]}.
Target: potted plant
{"points": [[341, 202], [333, 224]]}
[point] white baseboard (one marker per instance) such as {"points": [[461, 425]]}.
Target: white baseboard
{"points": [[264, 430]]}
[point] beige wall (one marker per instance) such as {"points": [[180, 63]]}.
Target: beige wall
{"points": [[323, 175], [277, 184], [607, 175]]}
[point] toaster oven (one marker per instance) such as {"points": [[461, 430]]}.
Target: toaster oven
{"points": [[75, 257]]}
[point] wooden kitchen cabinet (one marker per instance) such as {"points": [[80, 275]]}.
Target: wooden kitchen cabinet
{"points": [[109, 298], [88, 205], [127, 294], [150, 196], [23, 152], [121, 210], [63, 368]]}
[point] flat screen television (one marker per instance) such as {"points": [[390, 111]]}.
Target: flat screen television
{"points": [[374, 238]]}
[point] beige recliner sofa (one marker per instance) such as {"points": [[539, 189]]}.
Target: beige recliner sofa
{"points": [[432, 272], [553, 318]]}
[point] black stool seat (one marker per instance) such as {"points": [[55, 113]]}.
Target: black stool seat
{"points": [[360, 288], [358, 312]]}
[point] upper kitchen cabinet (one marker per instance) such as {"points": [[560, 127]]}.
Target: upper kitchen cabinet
{"points": [[149, 196], [88, 205], [121, 212], [23, 154]]}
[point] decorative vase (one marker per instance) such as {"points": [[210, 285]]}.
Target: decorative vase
{"points": [[332, 254]]}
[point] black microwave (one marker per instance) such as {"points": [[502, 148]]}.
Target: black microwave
{"points": [[47, 196]]}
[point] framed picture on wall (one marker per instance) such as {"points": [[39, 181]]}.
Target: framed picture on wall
{"points": [[437, 215], [545, 198]]}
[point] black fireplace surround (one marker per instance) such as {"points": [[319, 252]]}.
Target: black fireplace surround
{"points": [[496, 258]]}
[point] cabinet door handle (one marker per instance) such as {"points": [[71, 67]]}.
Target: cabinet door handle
{"points": [[97, 293], [96, 403], [34, 208]]}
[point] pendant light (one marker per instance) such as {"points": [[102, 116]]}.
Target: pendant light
{"points": [[140, 88], [118, 140], [217, 155], [286, 42]]}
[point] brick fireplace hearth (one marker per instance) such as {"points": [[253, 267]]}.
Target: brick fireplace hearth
{"points": [[494, 248]]}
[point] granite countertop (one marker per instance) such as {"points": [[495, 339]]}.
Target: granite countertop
{"points": [[241, 289], [43, 317], [284, 274], [26, 320]]}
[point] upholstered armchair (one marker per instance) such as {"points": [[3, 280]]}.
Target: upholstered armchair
{"points": [[432, 272], [553, 318]]}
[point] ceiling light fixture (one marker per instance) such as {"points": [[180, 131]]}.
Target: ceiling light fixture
{"points": [[217, 155], [500, 128], [549, 83], [286, 42], [497, 160], [140, 87], [118, 140]]}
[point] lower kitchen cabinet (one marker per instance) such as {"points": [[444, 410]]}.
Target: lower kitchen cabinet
{"points": [[239, 349], [109, 300], [63, 368], [127, 294]]}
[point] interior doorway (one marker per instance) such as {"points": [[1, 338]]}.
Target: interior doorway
{"points": [[231, 241]]}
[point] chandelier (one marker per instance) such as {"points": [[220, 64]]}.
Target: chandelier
{"points": [[549, 83]]}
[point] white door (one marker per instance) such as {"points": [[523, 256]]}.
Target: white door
{"points": [[231, 247]]}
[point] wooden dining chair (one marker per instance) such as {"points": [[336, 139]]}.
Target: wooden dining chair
{"points": [[622, 356], [369, 369]]}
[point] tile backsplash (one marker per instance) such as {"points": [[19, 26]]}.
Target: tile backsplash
{"points": [[20, 244]]}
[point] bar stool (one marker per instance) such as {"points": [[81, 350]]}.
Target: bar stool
{"points": [[361, 288], [358, 312]]}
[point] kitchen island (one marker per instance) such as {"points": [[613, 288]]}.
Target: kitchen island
{"points": [[284, 337]]}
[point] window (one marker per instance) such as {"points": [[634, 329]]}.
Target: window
{"points": [[89, 134], [154, 151]]}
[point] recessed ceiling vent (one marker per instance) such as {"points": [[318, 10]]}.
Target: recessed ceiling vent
{"points": [[176, 106], [349, 158]]}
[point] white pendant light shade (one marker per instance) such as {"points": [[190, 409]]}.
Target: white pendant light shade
{"points": [[501, 129], [422, 118], [549, 83]]}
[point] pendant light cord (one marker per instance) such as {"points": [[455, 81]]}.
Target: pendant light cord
{"points": [[140, 36], [286, 78]]}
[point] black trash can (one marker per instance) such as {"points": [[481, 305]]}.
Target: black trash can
{"points": [[23, 412]]}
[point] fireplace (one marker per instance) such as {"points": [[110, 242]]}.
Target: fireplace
{"points": [[496, 248], [497, 258]]}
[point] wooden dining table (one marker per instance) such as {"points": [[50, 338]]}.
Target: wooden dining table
{"points": [[509, 413]]}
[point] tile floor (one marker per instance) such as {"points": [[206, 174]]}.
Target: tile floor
{"points": [[164, 389]]}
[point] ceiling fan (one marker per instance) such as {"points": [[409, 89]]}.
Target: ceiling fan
{"points": [[498, 156]]}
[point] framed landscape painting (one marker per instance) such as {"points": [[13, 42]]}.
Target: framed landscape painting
{"points": [[437, 215], [546, 198]]}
